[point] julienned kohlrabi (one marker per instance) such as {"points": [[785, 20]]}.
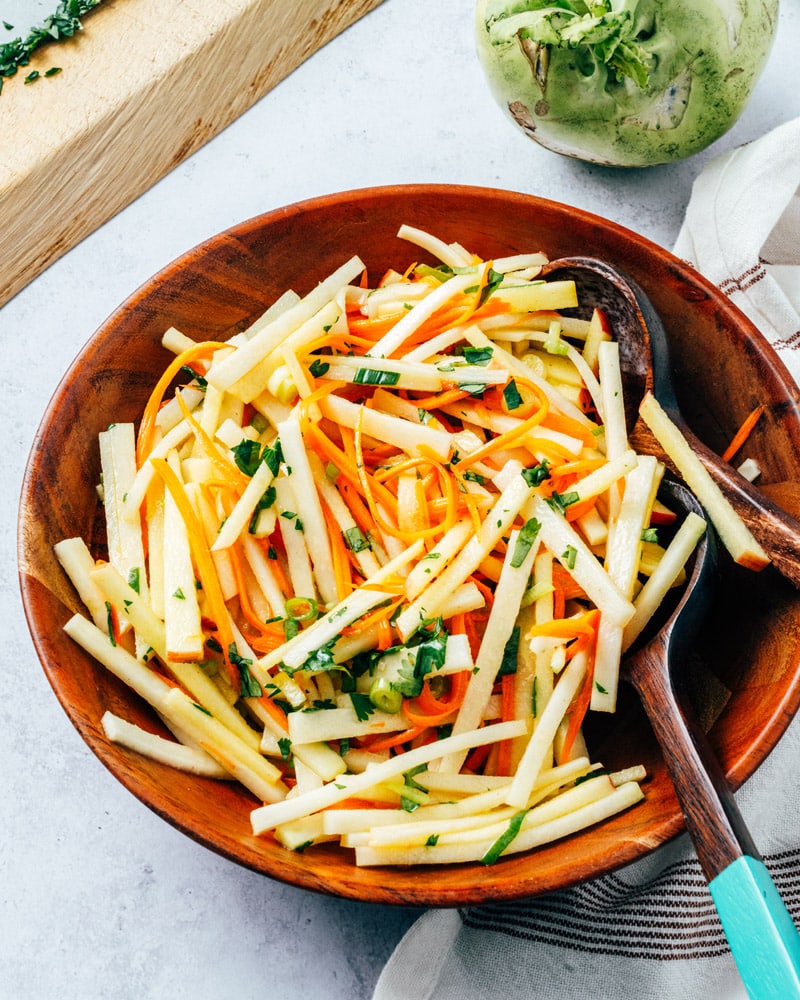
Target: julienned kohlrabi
{"points": [[624, 82]]}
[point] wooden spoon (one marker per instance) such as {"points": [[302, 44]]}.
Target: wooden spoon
{"points": [[644, 356], [763, 939]]}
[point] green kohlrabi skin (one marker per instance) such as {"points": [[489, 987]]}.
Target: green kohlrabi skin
{"points": [[701, 58]]}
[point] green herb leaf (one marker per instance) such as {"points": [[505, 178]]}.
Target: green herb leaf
{"points": [[536, 475], [362, 705], [64, 23], [511, 396], [356, 540], [318, 368], [527, 536], [508, 665], [247, 455], [248, 685], [480, 356], [321, 659], [369, 376]]}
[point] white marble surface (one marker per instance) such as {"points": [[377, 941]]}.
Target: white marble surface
{"points": [[98, 897]]}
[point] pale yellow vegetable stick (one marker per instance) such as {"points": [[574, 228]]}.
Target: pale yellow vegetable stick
{"points": [[508, 596], [393, 430], [623, 552], [184, 758], [173, 704], [533, 834], [267, 817], [184, 630], [420, 312], [733, 532], [498, 521], [261, 344], [239, 518], [669, 568], [151, 630], [570, 550], [309, 509], [538, 748], [78, 563]]}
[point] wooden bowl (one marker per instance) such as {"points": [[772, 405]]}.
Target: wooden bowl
{"points": [[748, 651]]}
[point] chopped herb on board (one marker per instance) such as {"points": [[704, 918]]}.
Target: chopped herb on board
{"points": [[64, 23]]}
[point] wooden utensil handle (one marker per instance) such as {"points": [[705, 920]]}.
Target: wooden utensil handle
{"points": [[777, 532], [712, 817]]}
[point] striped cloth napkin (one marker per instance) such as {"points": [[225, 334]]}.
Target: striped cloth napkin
{"points": [[650, 929]]}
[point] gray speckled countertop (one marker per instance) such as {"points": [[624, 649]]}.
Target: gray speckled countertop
{"points": [[99, 898]]}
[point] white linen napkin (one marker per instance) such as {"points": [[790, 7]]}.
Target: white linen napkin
{"points": [[650, 929]]}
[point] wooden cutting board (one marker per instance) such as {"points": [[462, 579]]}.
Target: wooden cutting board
{"points": [[144, 85]]}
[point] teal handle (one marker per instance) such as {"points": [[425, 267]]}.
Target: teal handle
{"points": [[764, 941]]}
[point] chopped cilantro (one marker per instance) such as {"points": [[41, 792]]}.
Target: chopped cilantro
{"points": [[370, 376], [362, 705], [64, 23], [356, 540], [480, 356], [508, 665], [536, 475], [248, 685], [511, 396], [266, 500], [525, 539], [110, 624]]}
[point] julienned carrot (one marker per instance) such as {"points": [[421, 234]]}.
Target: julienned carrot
{"points": [[739, 438], [276, 713], [249, 614], [577, 510], [204, 563], [574, 428], [507, 712], [567, 628], [566, 583], [342, 568], [586, 640], [425, 709], [204, 349], [507, 439], [440, 399], [368, 493], [226, 468], [374, 620], [375, 744], [373, 328]]}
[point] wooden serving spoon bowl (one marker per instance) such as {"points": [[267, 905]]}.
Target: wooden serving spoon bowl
{"points": [[646, 366]]}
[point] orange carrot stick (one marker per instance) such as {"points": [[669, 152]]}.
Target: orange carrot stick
{"points": [[205, 348], [743, 433]]}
